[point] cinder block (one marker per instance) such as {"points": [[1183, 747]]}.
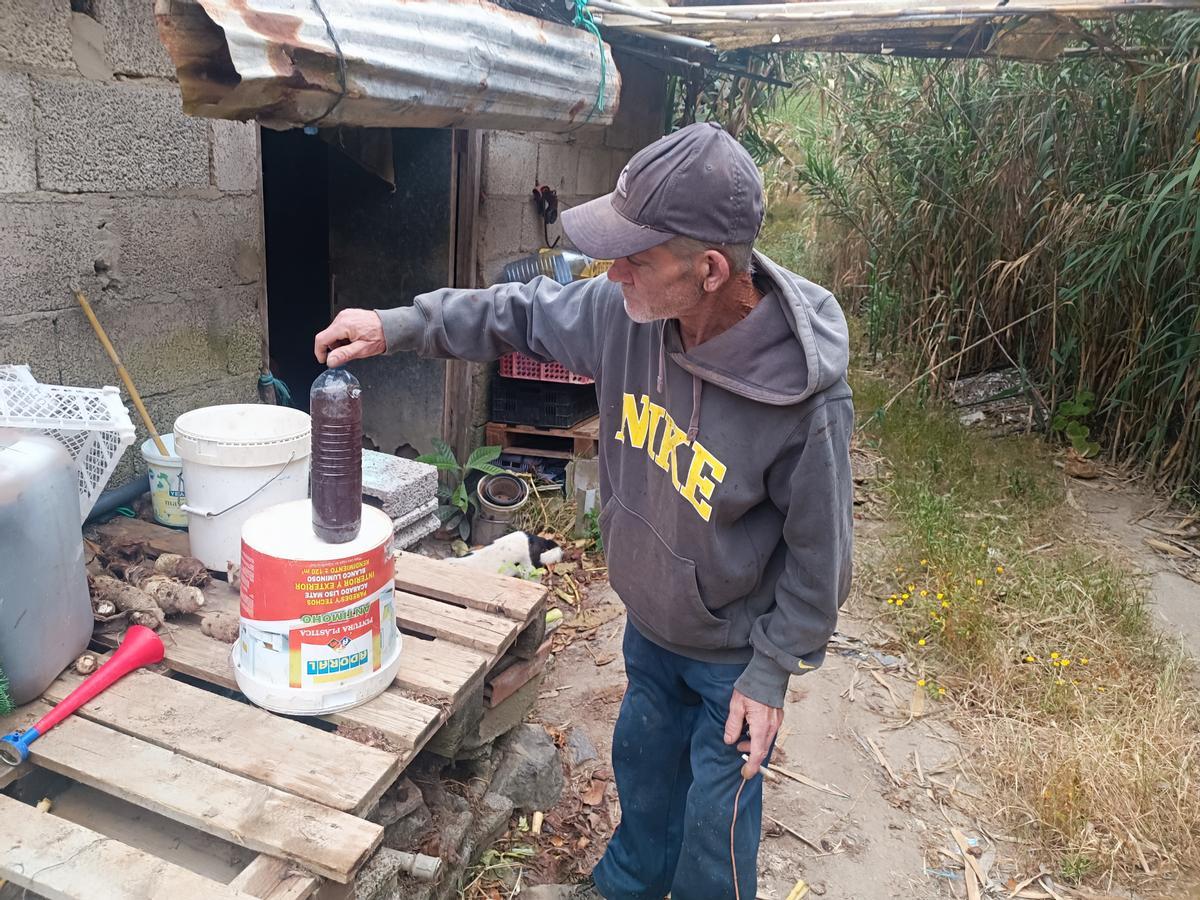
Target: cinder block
{"points": [[131, 38], [558, 165], [402, 485], [120, 136], [412, 518], [376, 880], [35, 35], [507, 230], [413, 533], [45, 245], [167, 346], [595, 171], [179, 244], [18, 168], [510, 164], [32, 342], [235, 155]]}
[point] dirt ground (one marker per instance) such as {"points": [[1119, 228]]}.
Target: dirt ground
{"points": [[857, 727]]}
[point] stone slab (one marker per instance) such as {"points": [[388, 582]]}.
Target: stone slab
{"points": [[401, 485], [413, 533], [423, 511], [35, 35]]}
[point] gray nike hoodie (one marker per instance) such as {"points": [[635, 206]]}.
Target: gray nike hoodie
{"points": [[725, 470]]}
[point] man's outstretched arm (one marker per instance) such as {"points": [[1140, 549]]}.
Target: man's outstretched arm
{"points": [[542, 319]]}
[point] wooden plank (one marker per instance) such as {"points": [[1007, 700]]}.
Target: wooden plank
{"points": [[149, 832], [481, 630], [241, 739], [403, 721], [269, 878], [589, 428], [514, 598], [439, 667], [244, 812], [57, 859]]}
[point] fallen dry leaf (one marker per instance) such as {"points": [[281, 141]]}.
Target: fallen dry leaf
{"points": [[594, 793]]}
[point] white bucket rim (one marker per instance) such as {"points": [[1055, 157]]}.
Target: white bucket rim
{"points": [[243, 435], [152, 457]]}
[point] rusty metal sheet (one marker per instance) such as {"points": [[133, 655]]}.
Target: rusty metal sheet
{"points": [[385, 63]]}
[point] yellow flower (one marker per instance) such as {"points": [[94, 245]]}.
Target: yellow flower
{"points": [[924, 562], [999, 570], [912, 587], [1083, 661], [1066, 662], [941, 691], [945, 604], [1060, 681], [904, 596], [1030, 659], [891, 600], [978, 582], [1054, 655], [921, 683], [921, 642], [900, 602], [924, 593], [1100, 689], [1056, 663], [941, 596]]}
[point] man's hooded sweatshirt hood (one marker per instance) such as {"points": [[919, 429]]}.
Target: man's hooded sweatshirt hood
{"points": [[725, 472]]}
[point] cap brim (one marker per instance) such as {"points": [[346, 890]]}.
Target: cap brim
{"points": [[601, 232]]}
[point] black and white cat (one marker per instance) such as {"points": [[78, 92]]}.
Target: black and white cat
{"points": [[517, 551]]}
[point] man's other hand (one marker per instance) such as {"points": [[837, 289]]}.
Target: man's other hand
{"points": [[354, 334], [762, 721]]}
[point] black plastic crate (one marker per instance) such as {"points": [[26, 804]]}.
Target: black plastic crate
{"points": [[544, 404]]}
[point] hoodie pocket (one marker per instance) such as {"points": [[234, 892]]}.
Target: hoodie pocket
{"points": [[657, 584]]}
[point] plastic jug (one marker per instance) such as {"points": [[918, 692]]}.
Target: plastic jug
{"points": [[45, 612], [564, 266]]}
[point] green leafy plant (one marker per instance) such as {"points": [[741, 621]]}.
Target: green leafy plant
{"points": [[1068, 420], [593, 528], [455, 503]]}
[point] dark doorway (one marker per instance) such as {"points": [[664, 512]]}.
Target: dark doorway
{"points": [[340, 235]]}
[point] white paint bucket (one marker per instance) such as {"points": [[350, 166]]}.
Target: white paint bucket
{"points": [[165, 474], [237, 460], [318, 631]]}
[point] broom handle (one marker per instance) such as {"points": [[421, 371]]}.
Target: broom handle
{"points": [[116, 361]]}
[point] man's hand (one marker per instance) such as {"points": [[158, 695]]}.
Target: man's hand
{"points": [[354, 334], [763, 722]]}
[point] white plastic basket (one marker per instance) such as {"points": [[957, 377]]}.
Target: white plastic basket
{"points": [[93, 425]]}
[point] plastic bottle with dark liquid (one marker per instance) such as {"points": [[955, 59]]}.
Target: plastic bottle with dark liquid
{"points": [[335, 404]]}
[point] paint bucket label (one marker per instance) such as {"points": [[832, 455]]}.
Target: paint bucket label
{"points": [[316, 623]]}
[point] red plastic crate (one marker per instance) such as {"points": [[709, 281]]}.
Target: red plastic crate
{"points": [[514, 365]]}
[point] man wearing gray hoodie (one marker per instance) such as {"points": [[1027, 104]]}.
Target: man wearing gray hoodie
{"points": [[725, 423]]}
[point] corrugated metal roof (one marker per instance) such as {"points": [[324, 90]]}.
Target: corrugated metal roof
{"points": [[385, 63], [1017, 29]]}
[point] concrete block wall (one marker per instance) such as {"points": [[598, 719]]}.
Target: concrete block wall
{"points": [[106, 185], [579, 166]]}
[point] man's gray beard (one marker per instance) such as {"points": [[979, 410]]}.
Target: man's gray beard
{"points": [[641, 320]]}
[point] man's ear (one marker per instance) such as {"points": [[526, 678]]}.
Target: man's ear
{"points": [[716, 271]]}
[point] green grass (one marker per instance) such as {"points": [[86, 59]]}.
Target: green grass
{"points": [[1038, 636]]}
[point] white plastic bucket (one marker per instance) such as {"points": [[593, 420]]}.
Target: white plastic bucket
{"points": [[237, 460], [318, 631], [165, 474]]}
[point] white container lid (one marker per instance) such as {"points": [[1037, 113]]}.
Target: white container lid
{"points": [[285, 532], [243, 434]]}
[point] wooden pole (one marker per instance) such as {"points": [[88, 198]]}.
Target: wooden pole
{"points": [[116, 361]]}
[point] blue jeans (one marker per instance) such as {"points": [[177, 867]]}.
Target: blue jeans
{"points": [[676, 780]]}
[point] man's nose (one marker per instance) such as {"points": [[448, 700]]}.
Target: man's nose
{"points": [[619, 271]]}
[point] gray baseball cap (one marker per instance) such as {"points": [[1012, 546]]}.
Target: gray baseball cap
{"points": [[698, 182]]}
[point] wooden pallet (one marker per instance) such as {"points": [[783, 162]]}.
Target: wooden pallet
{"points": [[580, 442], [292, 791]]}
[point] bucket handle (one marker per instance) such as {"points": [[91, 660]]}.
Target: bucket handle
{"points": [[209, 514]]}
